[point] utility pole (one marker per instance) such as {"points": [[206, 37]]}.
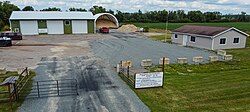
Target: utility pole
{"points": [[166, 28]]}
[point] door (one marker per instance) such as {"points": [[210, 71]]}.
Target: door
{"points": [[29, 27], [67, 27], [55, 27], [185, 39], [79, 26]]}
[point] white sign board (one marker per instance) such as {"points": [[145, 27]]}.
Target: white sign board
{"points": [[42, 30], [147, 80]]}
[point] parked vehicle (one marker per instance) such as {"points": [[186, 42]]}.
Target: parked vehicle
{"points": [[104, 30], [12, 35], [5, 42]]}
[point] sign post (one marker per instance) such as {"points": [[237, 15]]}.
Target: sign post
{"points": [[163, 70]]}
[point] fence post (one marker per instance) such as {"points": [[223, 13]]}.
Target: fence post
{"points": [[15, 91], [38, 89], [128, 71], [26, 70], [10, 97], [76, 87], [57, 87], [134, 80], [120, 67]]}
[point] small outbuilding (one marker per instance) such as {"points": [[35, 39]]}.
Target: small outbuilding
{"points": [[210, 37], [51, 22], [106, 20]]}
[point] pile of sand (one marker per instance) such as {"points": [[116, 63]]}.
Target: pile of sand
{"points": [[105, 23], [128, 28]]}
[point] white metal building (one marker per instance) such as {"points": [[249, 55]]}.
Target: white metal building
{"points": [[51, 22]]}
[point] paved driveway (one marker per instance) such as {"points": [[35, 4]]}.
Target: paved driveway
{"points": [[100, 88]]}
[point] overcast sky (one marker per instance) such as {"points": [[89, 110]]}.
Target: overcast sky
{"points": [[224, 6]]}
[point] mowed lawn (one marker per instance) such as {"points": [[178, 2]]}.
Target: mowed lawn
{"points": [[244, 26], [217, 87], [4, 105]]}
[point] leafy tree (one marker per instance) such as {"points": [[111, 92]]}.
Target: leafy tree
{"points": [[243, 16], [6, 9], [97, 9], [51, 9], [196, 16], [77, 9], [28, 8]]}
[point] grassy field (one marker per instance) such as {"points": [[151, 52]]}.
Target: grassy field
{"points": [[244, 26], [4, 106], [217, 87]]}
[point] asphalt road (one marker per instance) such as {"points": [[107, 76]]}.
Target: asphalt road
{"points": [[100, 88]]}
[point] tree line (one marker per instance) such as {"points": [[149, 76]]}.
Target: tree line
{"points": [[178, 16]]}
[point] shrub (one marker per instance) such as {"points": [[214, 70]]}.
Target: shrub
{"points": [[6, 28], [146, 28]]}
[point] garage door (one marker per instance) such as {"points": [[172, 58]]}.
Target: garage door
{"points": [[55, 27], [29, 27], [79, 27]]}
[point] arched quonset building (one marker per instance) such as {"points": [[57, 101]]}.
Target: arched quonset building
{"points": [[106, 20]]}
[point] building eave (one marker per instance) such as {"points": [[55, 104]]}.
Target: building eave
{"points": [[229, 30], [193, 34]]}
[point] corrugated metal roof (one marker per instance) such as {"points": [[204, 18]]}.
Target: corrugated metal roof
{"points": [[50, 15], [201, 30]]}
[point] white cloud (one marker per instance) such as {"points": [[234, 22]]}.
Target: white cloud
{"points": [[225, 6], [25, 2]]}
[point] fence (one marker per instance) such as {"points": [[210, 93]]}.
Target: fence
{"points": [[21, 86], [49, 88], [127, 75]]}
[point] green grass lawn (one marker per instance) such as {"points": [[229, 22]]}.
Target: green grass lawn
{"points": [[162, 37], [244, 26], [216, 87], [4, 106]]}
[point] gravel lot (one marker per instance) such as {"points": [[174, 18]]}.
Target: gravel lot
{"points": [[90, 59], [131, 46]]}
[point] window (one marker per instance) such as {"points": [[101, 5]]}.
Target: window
{"points": [[67, 22], [42, 21], [192, 39], [16, 30], [175, 36], [223, 41], [236, 40]]}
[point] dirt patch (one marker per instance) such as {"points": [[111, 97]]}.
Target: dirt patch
{"points": [[30, 50], [30, 44]]}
